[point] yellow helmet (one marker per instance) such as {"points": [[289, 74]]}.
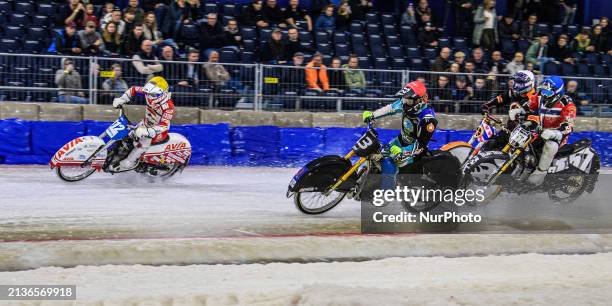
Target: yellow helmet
{"points": [[156, 88]]}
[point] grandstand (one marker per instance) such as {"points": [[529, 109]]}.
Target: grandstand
{"points": [[389, 52]]}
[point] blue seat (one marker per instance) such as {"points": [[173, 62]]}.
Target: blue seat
{"points": [[247, 57], [542, 29], [606, 59], [375, 41], [228, 55], [593, 58], [600, 71], [249, 45], [340, 38], [5, 7], [444, 42], [41, 95], [264, 35], [416, 64], [360, 50], [568, 69], [47, 9], [41, 21], [399, 63], [324, 49], [557, 29], [407, 36], [522, 45], [551, 68], [305, 45], [305, 36], [24, 7], [507, 48], [37, 33], [413, 52], [32, 46], [341, 49], [388, 19], [229, 10], [459, 43], [365, 62], [430, 53], [322, 37], [14, 32], [356, 28], [372, 18], [373, 29], [396, 52], [211, 8], [248, 33], [20, 20], [583, 69], [572, 30], [189, 34], [381, 63], [357, 39], [393, 41], [390, 30], [44, 74]]}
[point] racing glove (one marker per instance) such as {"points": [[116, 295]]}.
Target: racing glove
{"points": [[121, 100], [368, 116], [395, 150], [143, 132], [515, 113]]}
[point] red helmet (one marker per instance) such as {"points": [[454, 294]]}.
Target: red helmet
{"points": [[414, 96]]}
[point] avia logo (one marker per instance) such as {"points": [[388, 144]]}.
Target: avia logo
{"points": [[67, 147], [175, 146]]}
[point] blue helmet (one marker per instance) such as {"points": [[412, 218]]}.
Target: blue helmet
{"points": [[551, 90]]}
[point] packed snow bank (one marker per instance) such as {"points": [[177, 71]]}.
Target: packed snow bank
{"points": [[528, 279], [28, 255]]}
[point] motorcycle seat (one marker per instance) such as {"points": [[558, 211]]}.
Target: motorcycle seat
{"points": [[568, 149], [166, 139]]}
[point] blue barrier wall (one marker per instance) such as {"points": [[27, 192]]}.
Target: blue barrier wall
{"points": [[35, 142]]}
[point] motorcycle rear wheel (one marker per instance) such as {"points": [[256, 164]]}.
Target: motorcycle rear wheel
{"points": [[64, 173], [314, 203]]}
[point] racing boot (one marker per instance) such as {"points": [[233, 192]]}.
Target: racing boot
{"points": [[129, 162]]}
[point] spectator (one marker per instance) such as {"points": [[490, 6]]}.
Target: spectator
{"points": [[116, 18], [569, 11], [561, 52], [326, 21], [190, 74], [463, 17], [604, 22], [537, 54], [424, 19], [133, 43], [497, 63], [480, 65], [274, 14], [579, 99], [485, 26], [114, 86], [528, 29], [316, 6], [469, 69], [139, 13], [423, 9], [360, 8], [274, 51], [316, 73], [66, 41], [90, 14], [167, 54], [129, 17], [68, 80], [508, 29], [460, 59], [454, 68], [409, 17], [151, 65], [292, 45], [253, 15], [106, 11], [343, 20], [212, 36], [90, 41], [598, 40], [428, 36], [442, 92], [72, 11], [582, 42], [460, 91], [531, 67], [215, 72], [149, 28], [516, 64], [479, 92], [297, 17], [232, 34], [442, 63], [294, 78], [180, 12], [336, 77], [353, 77], [111, 39]]}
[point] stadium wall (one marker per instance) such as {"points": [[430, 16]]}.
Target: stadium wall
{"points": [[31, 133]]}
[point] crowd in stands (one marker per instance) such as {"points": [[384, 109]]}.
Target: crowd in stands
{"points": [[320, 38]]}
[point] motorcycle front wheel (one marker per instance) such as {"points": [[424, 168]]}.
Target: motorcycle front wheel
{"points": [[314, 203], [74, 173]]}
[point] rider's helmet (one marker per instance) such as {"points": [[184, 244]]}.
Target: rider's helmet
{"points": [[414, 97], [524, 82], [156, 89], [551, 90]]}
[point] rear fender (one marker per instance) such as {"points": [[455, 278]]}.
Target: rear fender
{"points": [[77, 151], [459, 149], [177, 150], [322, 173]]}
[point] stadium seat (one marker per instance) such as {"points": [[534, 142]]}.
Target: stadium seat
{"points": [[396, 52], [542, 29], [357, 39], [444, 42], [606, 59], [211, 8], [5, 7], [47, 9], [568, 69], [507, 48], [248, 33], [37, 33], [228, 55], [413, 52], [364, 62], [572, 30], [356, 28], [522, 45], [375, 41], [360, 49], [20, 20], [557, 29], [305, 36], [381, 63], [264, 35], [416, 64], [390, 30], [32, 46], [340, 38], [393, 41], [592, 58], [459, 43], [248, 57], [430, 53], [324, 49], [583, 70], [341, 49], [399, 63], [372, 18], [16, 95], [229, 9], [551, 68], [41, 95], [600, 71], [322, 37], [249, 45], [41, 21], [189, 34], [13, 32], [26, 8], [373, 29], [44, 74], [388, 19]]}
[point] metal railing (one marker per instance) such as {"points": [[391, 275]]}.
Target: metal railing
{"points": [[268, 87]]}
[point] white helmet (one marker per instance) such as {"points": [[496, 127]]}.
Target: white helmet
{"points": [[524, 82], [156, 89]]}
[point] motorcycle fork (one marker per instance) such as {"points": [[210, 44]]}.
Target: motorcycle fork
{"points": [[350, 171], [515, 155]]}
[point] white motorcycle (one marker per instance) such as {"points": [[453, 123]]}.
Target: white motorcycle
{"points": [[83, 156]]}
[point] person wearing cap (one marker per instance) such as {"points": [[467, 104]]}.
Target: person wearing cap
{"points": [[67, 41], [90, 40], [316, 73], [274, 50], [68, 80]]}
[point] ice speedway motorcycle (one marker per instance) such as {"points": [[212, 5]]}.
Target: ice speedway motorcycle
{"points": [[82, 156], [574, 170], [324, 182]]}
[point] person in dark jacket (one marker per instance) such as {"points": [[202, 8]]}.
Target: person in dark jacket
{"points": [[253, 15], [561, 51], [180, 12], [508, 29], [360, 8], [211, 34], [528, 29], [133, 42], [442, 63], [463, 17], [292, 45], [72, 11], [297, 17], [274, 51], [599, 40], [336, 77], [232, 34], [326, 21], [274, 14], [428, 36], [294, 79], [67, 42]]}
